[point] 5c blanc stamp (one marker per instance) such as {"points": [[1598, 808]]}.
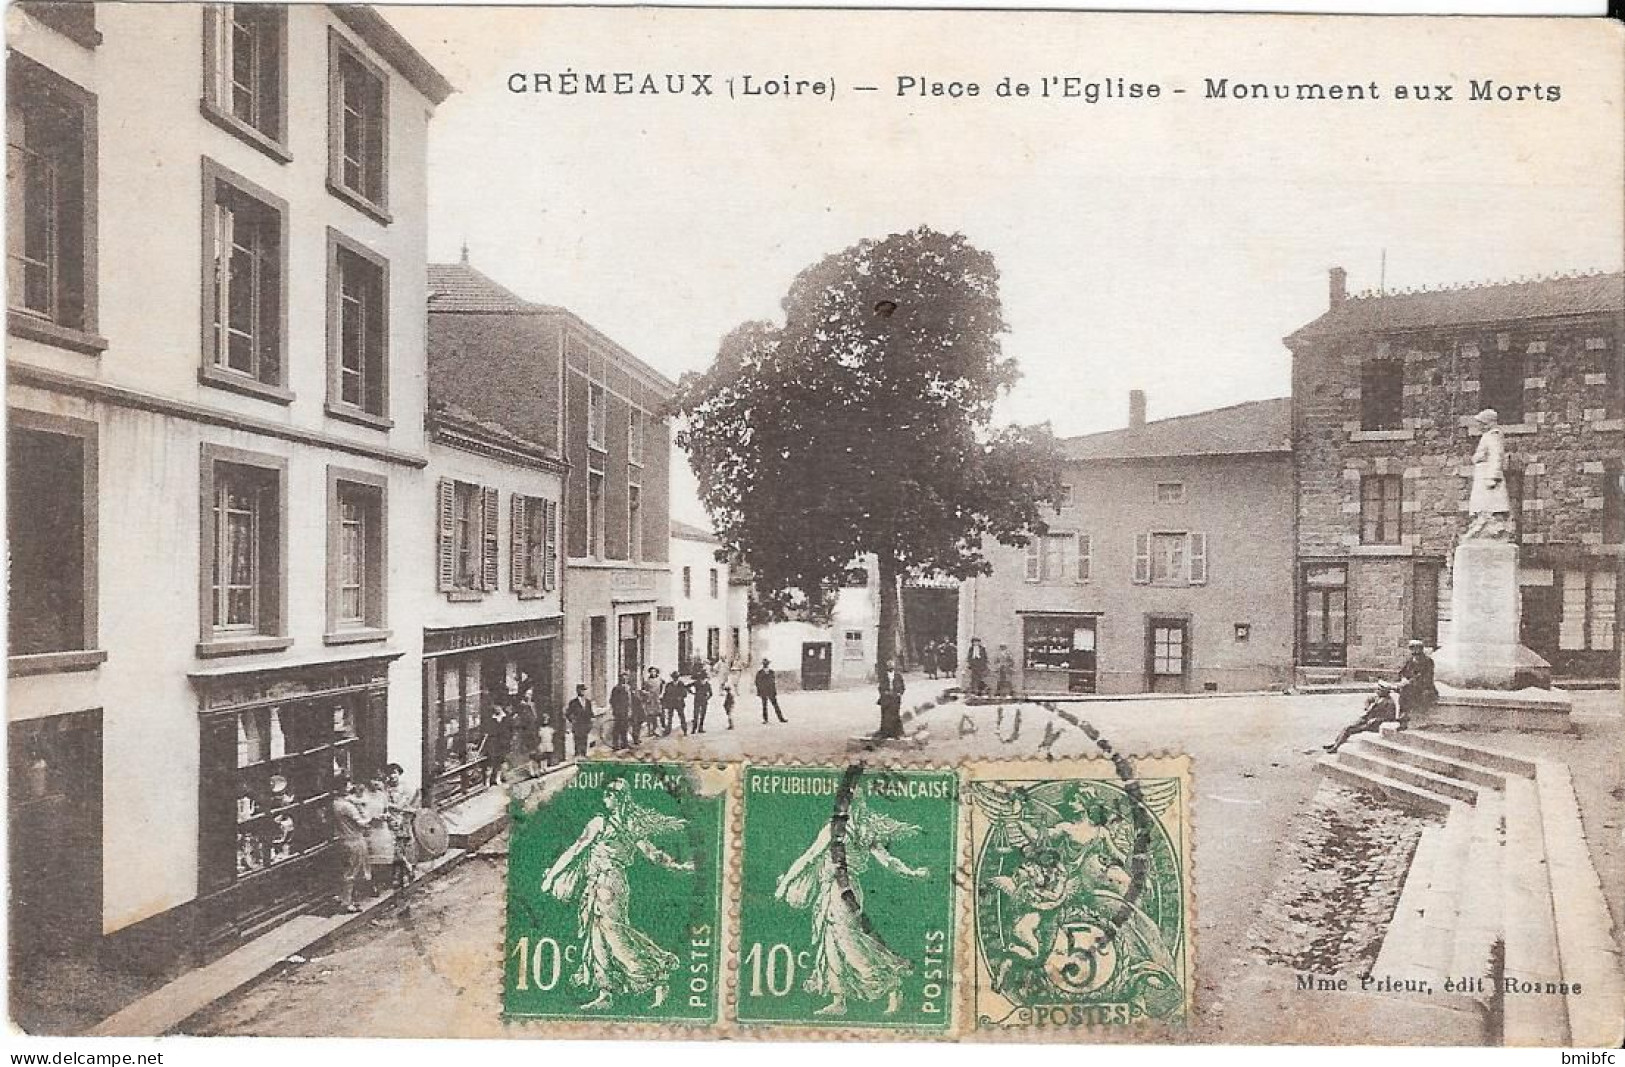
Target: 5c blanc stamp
{"points": [[615, 897], [1081, 873], [847, 898]]}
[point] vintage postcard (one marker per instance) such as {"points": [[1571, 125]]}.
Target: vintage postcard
{"points": [[839, 525]]}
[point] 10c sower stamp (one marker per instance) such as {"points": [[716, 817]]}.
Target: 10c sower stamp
{"points": [[615, 897], [1082, 875], [847, 898]]}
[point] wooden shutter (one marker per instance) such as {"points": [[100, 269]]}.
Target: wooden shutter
{"points": [[1085, 548], [550, 547], [1035, 560], [518, 542], [488, 531], [1198, 559], [445, 558], [1142, 558]]}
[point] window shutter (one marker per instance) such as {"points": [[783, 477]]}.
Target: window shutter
{"points": [[447, 534], [1035, 562], [550, 546], [1198, 559], [518, 545], [1085, 548], [1142, 558], [488, 531]]}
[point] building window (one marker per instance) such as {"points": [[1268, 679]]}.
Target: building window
{"points": [[533, 555], [1380, 509], [1500, 385], [1170, 492], [636, 431], [1588, 621], [1167, 648], [358, 118], [713, 644], [245, 64], [467, 538], [634, 522], [51, 206], [244, 551], [1382, 394], [51, 536], [356, 555], [595, 514], [852, 645], [596, 400], [688, 583], [1613, 503], [685, 645], [245, 285], [735, 647], [1063, 499], [1167, 558], [716, 584], [1085, 561], [357, 333]]}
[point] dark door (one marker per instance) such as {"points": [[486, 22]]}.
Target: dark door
{"points": [[1167, 654], [1082, 678], [55, 865], [1540, 614], [815, 665], [1325, 615]]}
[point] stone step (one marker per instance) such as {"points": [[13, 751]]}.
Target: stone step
{"points": [[1478, 904], [1585, 930], [1402, 794], [1458, 750], [1421, 934], [1393, 746], [1529, 927], [1358, 754]]}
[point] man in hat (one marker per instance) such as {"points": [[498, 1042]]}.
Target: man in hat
{"points": [[767, 690], [620, 713], [1378, 710], [1417, 693], [578, 715], [976, 659]]}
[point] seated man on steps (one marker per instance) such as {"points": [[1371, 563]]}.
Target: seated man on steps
{"points": [[1378, 710]]}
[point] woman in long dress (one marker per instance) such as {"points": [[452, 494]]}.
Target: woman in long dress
{"points": [[848, 960], [616, 957]]}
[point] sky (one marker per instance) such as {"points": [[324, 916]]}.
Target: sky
{"points": [[1165, 246]]}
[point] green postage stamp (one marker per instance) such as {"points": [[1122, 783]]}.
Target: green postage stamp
{"points": [[847, 898], [615, 897]]}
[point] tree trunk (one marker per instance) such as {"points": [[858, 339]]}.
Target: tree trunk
{"points": [[886, 639]]}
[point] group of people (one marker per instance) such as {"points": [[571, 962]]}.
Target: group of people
{"points": [[373, 827], [978, 663], [1399, 701], [656, 705], [939, 659]]}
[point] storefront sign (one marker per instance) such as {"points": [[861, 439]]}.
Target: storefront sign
{"points": [[632, 585], [487, 635], [284, 683]]}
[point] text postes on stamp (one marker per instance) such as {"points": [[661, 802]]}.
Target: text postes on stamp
{"points": [[615, 897], [1081, 874], [847, 898]]}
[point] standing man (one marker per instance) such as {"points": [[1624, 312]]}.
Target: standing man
{"points": [[350, 826], [948, 662], [578, 713], [1417, 693], [976, 663], [1005, 668], [702, 702], [652, 704], [767, 688], [620, 714], [928, 658], [891, 701], [672, 700]]}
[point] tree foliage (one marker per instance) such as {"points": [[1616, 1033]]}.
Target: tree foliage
{"points": [[863, 424]]}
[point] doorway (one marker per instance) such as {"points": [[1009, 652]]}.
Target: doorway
{"points": [[1167, 654], [815, 665], [1324, 631], [598, 658]]}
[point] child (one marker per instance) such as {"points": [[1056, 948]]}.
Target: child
{"points": [[728, 702]]}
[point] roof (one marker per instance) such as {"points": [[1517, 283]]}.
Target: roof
{"points": [[1241, 429], [689, 532], [457, 288], [387, 41], [1527, 298], [454, 425]]}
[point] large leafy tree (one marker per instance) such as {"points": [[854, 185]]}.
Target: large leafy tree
{"points": [[863, 424]]}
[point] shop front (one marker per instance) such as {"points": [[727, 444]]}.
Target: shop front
{"points": [[277, 747], [1059, 653], [467, 672]]}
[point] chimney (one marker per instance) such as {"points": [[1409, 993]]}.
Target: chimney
{"points": [[1136, 408], [1337, 285]]}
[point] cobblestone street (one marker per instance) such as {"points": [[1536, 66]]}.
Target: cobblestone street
{"points": [[1262, 817]]}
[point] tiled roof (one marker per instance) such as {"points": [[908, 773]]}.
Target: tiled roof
{"points": [[1255, 426], [459, 288], [1536, 298], [689, 532]]}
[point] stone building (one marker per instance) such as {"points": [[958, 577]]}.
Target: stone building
{"points": [[215, 451], [1167, 566], [579, 393], [1384, 387]]}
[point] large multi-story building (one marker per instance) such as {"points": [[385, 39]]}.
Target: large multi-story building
{"points": [[1166, 567], [1384, 387], [215, 454], [547, 376]]}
